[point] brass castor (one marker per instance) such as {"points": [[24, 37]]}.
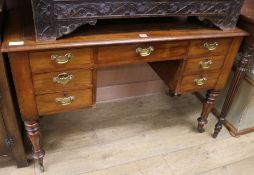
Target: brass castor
{"points": [[172, 94], [201, 130], [215, 134], [41, 166]]}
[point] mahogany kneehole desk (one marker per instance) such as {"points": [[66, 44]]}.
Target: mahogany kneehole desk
{"points": [[60, 76]]}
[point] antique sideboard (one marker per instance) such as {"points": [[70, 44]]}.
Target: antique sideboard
{"points": [[55, 18], [60, 76]]}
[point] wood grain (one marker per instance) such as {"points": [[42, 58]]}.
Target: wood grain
{"points": [[197, 47], [166, 68], [194, 65], [112, 34], [10, 118], [127, 54], [231, 56], [188, 85], [203, 158], [21, 72], [81, 79], [41, 61], [47, 103]]}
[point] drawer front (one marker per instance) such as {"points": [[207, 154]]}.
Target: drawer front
{"points": [[142, 52], [204, 64], [63, 102], [60, 60], [194, 83], [62, 81], [210, 47]]}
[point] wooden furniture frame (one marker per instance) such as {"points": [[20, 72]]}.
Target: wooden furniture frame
{"points": [[11, 143], [54, 18], [246, 22], [59, 76]]}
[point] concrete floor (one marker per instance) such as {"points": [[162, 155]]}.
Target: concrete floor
{"points": [[150, 135]]}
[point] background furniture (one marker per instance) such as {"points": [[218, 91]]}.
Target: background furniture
{"points": [[54, 19], [11, 144], [246, 22], [239, 119]]}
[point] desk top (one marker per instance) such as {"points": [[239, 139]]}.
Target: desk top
{"points": [[124, 31]]}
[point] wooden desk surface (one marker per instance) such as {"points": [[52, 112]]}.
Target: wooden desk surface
{"points": [[113, 32]]}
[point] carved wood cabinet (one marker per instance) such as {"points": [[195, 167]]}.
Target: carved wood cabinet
{"points": [[55, 18]]}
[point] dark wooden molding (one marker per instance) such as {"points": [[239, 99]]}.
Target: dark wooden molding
{"points": [[54, 19]]}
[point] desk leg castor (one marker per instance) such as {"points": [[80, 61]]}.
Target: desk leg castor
{"points": [[201, 128], [172, 94], [207, 107], [34, 135], [41, 166]]}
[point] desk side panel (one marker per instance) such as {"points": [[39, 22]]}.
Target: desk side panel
{"points": [[21, 72], [226, 69]]}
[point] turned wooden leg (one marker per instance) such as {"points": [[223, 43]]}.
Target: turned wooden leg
{"points": [[34, 134], [207, 107], [238, 76]]}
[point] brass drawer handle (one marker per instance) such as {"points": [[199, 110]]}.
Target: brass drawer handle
{"points": [[62, 59], [205, 64], [63, 78], [200, 81], [145, 52], [64, 101], [211, 46]]}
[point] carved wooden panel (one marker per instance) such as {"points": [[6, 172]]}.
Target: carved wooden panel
{"points": [[55, 18]]}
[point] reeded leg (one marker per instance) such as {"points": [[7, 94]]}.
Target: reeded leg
{"points": [[207, 107], [34, 134], [238, 76]]}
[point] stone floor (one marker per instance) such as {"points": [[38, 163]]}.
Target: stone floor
{"points": [[150, 135]]}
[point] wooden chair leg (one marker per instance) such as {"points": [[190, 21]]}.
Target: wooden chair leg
{"points": [[238, 76], [207, 107], [34, 135]]}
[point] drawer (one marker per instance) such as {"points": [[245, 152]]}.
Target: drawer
{"points": [[210, 47], [204, 64], [139, 52], [198, 82], [62, 81], [63, 102], [60, 60]]}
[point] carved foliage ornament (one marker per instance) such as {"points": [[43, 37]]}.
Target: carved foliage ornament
{"points": [[55, 18]]}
